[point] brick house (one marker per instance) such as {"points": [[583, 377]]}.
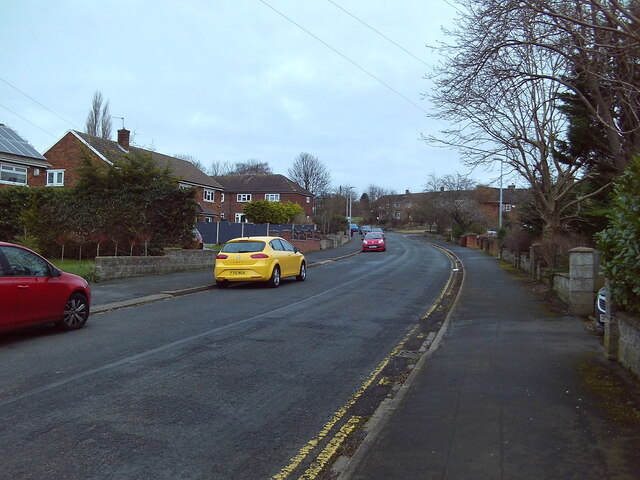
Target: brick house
{"points": [[66, 158], [406, 208], [20, 163], [240, 189]]}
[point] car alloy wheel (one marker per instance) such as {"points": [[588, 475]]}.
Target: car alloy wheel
{"points": [[274, 281], [76, 312], [303, 272]]}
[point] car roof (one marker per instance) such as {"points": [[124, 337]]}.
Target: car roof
{"points": [[257, 239]]}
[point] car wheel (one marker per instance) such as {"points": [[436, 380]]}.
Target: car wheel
{"points": [[303, 272], [274, 281], [222, 283], [76, 312]]}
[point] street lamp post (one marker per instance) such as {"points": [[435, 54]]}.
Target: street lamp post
{"points": [[349, 210], [500, 213]]}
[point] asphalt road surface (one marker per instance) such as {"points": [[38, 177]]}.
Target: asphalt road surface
{"points": [[241, 383]]}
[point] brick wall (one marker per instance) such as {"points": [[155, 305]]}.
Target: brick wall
{"points": [[67, 154], [309, 245]]}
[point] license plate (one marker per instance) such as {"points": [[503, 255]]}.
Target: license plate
{"points": [[237, 272], [373, 246]]}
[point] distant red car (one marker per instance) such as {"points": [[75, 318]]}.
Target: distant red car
{"points": [[374, 241], [33, 291]]}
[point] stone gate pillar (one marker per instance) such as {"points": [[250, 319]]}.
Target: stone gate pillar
{"points": [[583, 268]]}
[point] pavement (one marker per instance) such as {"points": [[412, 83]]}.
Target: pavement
{"points": [[125, 292], [510, 391]]}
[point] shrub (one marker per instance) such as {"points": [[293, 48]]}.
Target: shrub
{"points": [[620, 243]]}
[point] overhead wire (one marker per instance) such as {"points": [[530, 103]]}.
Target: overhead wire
{"points": [[337, 52], [378, 32], [37, 102], [28, 121]]}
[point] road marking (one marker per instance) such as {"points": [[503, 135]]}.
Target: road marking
{"points": [[326, 454], [332, 447], [342, 411]]}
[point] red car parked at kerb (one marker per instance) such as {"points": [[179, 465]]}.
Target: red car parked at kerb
{"points": [[33, 291]]}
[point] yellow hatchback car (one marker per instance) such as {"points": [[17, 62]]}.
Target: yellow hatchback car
{"points": [[258, 259]]}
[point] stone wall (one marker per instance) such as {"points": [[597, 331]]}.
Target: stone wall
{"points": [[577, 287], [629, 342], [333, 241], [562, 286], [174, 260]]}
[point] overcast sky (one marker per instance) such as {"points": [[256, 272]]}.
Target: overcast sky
{"points": [[236, 80]]}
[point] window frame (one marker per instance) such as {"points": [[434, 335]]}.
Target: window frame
{"points": [[209, 195], [16, 170], [272, 197], [55, 172], [243, 197]]}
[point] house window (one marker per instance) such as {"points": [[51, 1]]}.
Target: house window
{"points": [[13, 174], [272, 197], [308, 199], [239, 217], [244, 197], [55, 178], [209, 195], [222, 198], [506, 207]]}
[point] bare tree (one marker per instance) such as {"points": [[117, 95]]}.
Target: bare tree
{"points": [[505, 104], [99, 117], [374, 192], [310, 173], [193, 160], [251, 167], [220, 168], [454, 196], [380, 202], [595, 44], [599, 40]]}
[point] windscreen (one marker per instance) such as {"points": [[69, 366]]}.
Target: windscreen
{"points": [[243, 247]]}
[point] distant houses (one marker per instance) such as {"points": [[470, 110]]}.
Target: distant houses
{"points": [[240, 189], [218, 198], [422, 208]]}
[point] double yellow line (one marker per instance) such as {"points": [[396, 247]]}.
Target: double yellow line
{"points": [[327, 453]]}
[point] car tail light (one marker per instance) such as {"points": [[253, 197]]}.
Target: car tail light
{"points": [[259, 255], [221, 256]]}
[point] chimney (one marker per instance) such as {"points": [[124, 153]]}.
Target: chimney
{"points": [[407, 192], [123, 138]]}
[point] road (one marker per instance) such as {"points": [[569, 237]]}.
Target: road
{"points": [[241, 383]]}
